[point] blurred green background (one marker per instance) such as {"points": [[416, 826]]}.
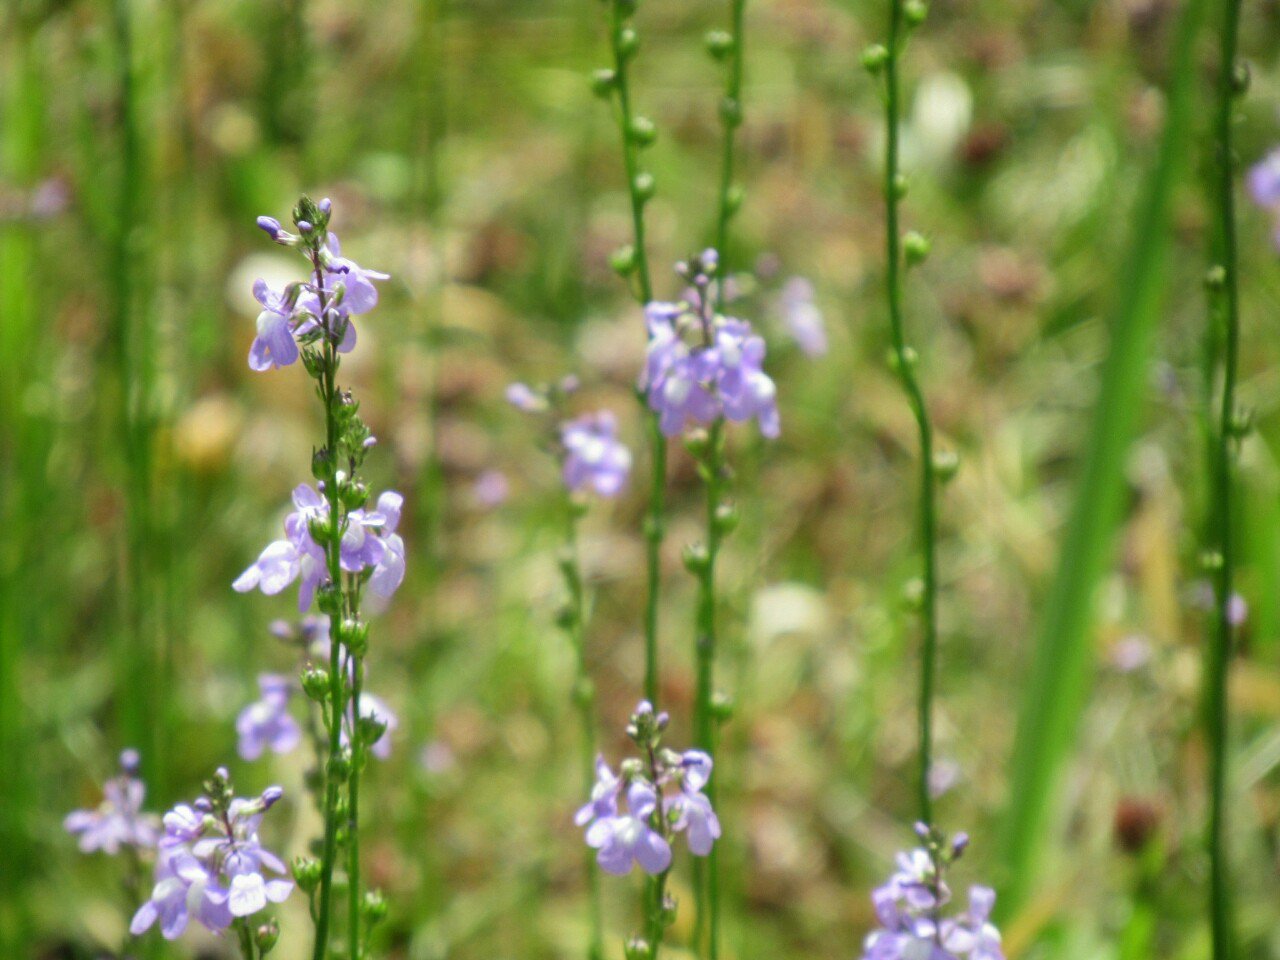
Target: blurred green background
{"points": [[144, 465]]}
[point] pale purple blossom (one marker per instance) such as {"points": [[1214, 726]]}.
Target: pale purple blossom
{"points": [[604, 796], [118, 821], [266, 723], [491, 489], [629, 838], [593, 455], [802, 318], [369, 542], [701, 366], [212, 867], [1264, 187], [523, 397]]}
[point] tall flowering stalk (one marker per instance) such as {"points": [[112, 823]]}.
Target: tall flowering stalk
{"points": [[638, 132], [592, 460], [336, 543], [702, 369], [1224, 308], [664, 794], [900, 251], [728, 46]]}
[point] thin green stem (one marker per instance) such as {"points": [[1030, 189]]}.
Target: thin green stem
{"points": [[905, 361], [337, 685], [575, 627], [706, 878], [654, 525], [730, 119], [655, 899], [1225, 309], [353, 803]]}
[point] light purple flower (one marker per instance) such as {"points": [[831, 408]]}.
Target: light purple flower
{"points": [[973, 935], [604, 796], [212, 867], [360, 295], [690, 810], [491, 489], [118, 821], [368, 542], [629, 838], [266, 722], [593, 455], [524, 397], [701, 368], [802, 318], [274, 345]]}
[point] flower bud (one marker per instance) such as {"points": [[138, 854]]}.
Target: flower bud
{"points": [[914, 12], [667, 916], [718, 43], [315, 683], [636, 948], [696, 558], [733, 198], [628, 43], [642, 131], [304, 226], [721, 707], [584, 692], [353, 633], [730, 112], [726, 518], [371, 730], [653, 528], [271, 227], [374, 906], [320, 529], [306, 873], [915, 248], [339, 765], [1240, 78], [603, 82], [875, 57], [946, 464], [329, 599], [1241, 423], [266, 936], [1211, 560], [353, 495], [1215, 278], [913, 594], [900, 185], [644, 186], [623, 260]]}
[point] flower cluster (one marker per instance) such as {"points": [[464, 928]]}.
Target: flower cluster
{"points": [[304, 312], [909, 907], [1264, 187], [118, 821], [702, 366], [653, 815], [587, 447], [266, 723], [211, 867], [370, 545]]}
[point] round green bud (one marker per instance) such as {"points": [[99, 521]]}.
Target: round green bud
{"points": [[1211, 560], [306, 872], [339, 765], [623, 260], [322, 464], [642, 131], [1215, 278], [603, 82], [1240, 78], [628, 43], [718, 43], [266, 936], [733, 198], [353, 495], [636, 948], [913, 594], [900, 185], [374, 906], [353, 634], [726, 518], [329, 599], [315, 683], [696, 558], [730, 112], [644, 186], [914, 12], [721, 707], [915, 248], [584, 692], [946, 464], [875, 57], [1241, 423]]}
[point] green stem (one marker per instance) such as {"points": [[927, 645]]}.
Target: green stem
{"points": [[904, 361], [353, 804], [730, 118], [575, 626], [655, 922], [1224, 309], [654, 521], [337, 685], [706, 877]]}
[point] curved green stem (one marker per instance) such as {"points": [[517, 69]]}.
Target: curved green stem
{"points": [[904, 362], [353, 809], [1226, 311], [575, 627]]}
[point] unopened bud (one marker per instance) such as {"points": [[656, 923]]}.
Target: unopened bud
{"points": [[875, 57], [718, 43], [915, 248], [623, 260]]}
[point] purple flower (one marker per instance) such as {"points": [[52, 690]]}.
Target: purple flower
{"points": [[524, 397], [1264, 181], [266, 723], [360, 295], [212, 867], [491, 489], [700, 368], [628, 838], [690, 811], [593, 456], [802, 318], [604, 796], [118, 821], [274, 345], [368, 542], [909, 909]]}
